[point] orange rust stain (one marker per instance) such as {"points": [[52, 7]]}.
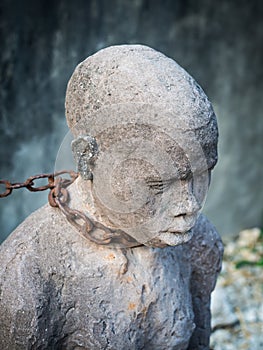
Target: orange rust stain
{"points": [[129, 279], [111, 256], [131, 306], [144, 311]]}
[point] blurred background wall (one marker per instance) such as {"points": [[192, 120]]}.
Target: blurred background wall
{"points": [[218, 42]]}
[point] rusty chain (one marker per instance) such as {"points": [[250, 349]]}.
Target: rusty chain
{"points": [[29, 183], [59, 197]]}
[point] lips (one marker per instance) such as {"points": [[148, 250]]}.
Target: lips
{"points": [[182, 224], [180, 231], [172, 239]]}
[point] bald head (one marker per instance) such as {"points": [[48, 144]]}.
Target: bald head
{"points": [[134, 74]]}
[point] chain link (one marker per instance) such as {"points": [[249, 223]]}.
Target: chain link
{"points": [[29, 183], [59, 197]]}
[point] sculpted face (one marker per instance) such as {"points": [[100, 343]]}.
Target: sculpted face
{"points": [[155, 205], [167, 206], [148, 180], [152, 165]]}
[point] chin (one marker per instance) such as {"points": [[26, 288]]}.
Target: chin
{"points": [[165, 239]]}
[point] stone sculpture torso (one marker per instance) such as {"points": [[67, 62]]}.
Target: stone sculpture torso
{"points": [[59, 291]]}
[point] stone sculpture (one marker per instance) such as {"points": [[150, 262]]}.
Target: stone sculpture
{"points": [[145, 144]]}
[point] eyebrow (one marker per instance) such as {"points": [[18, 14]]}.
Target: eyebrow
{"points": [[181, 176], [156, 182]]}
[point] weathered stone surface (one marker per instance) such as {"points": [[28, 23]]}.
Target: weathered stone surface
{"points": [[148, 178], [136, 76], [59, 291]]}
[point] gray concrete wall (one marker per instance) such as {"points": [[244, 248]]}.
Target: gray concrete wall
{"points": [[219, 43]]}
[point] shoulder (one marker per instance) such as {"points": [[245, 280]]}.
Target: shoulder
{"points": [[205, 235], [28, 234], [43, 237], [205, 249], [23, 246]]}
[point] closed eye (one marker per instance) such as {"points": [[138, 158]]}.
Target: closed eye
{"points": [[158, 186]]}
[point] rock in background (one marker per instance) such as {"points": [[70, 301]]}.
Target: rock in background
{"points": [[218, 43], [237, 308]]}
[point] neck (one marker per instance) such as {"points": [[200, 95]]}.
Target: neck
{"points": [[94, 228]]}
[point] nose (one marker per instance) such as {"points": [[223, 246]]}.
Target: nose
{"points": [[184, 201]]}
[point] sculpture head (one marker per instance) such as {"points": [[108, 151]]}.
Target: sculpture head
{"points": [[145, 142]]}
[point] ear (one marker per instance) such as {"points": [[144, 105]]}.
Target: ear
{"points": [[85, 151]]}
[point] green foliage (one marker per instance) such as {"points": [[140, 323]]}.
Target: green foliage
{"points": [[243, 263]]}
